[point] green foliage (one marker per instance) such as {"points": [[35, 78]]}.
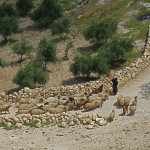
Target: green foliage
{"points": [[24, 6], [100, 64], [22, 48], [46, 52], [7, 10], [30, 75], [7, 127], [100, 31], [47, 12], [2, 63], [8, 26], [60, 26], [32, 123], [69, 45], [82, 65], [118, 47]]}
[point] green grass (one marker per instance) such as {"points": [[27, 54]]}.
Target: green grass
{"points": [[31, 123], [12, 127]]}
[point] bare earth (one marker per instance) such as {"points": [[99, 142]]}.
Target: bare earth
{"points": [[124, 133]]}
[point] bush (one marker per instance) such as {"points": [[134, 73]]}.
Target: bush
{"points": [[46, 52], [30, 75], [100, 64], [100, 31], [61, 26], [116, 49], [24, 6], [22, 48], [2, 63], [47, 12], [8, 26], [7, 10], [82, 65]]}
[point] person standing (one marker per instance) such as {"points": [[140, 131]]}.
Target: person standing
{"points": [[115, 86]]}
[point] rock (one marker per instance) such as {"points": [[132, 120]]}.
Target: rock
{"points": [[18, 125], [102, 123], [71, 123], [38, 125], [8, 124], [63, 125], [90, 127]]}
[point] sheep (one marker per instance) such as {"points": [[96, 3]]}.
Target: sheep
{"points": [[133, 109], [135, 101], [5, 108], [24, 107], [127, 100], [125, 109], [112, 115], [55, 110], [33, 101], [89, 106], [93, 98], [71, 105], [23, 101], [36, 111], [121, 102], [118, 98], [2, 102], [98, 104], [80, 104], [23, 111], [51, 100]]}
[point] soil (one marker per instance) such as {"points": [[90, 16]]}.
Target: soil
{"points": [[125, 132]]}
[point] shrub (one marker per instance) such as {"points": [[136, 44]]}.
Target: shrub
{"points": [[22, 48], [61, 26], [7, 10], [100, 31], [46, 52], [82, 65], [2, 63], [24, 6], [30, 75], [47, 12], [8, 26]]}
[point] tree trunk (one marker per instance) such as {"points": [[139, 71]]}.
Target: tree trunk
{"points": [[5, 38]]}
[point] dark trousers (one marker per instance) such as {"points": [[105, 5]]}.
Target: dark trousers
{"points": [[115, 90]]}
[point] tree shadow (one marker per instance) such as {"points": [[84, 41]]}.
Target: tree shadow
{"points": [[117, 106], [35, 27], [87, 48], [14, 63], [122, 114], [13, 90], [77, 80], [129, 114]]}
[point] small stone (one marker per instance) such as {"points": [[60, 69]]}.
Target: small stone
{"points": [[63, 125], [90, 127], [102, 122], [18, 125], [38, 125]]}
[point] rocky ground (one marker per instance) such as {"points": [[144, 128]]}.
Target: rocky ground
{"points": [[124, 133]]}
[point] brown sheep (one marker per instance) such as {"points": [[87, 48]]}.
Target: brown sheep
{"points": [[133, 109], [135, 101], [81, 104], [5, 108], [112, 115], [89, 106], [125, 109]]}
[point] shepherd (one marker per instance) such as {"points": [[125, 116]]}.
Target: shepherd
{"points": [[115, 86]]}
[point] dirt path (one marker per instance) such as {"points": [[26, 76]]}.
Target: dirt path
{"points": [[124, 133]]}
